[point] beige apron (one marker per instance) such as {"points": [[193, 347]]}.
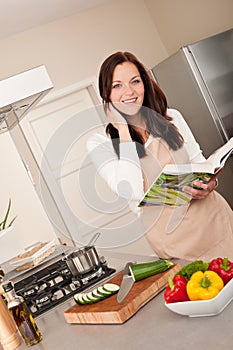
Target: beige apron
{"points": [[201, 230]]}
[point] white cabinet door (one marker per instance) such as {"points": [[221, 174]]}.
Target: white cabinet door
{"points": [[56, 132]]}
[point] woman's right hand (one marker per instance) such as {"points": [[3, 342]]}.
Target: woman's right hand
{"points": [[114, 117], [119, 122]]}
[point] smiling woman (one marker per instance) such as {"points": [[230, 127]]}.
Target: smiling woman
{"points": [[142, 136]]}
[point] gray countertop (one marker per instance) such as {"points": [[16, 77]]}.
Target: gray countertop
{"points": [[152, 327]]}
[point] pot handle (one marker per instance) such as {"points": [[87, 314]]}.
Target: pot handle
{"points": [[93, 239]]}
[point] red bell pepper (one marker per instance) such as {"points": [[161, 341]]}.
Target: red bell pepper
{"points": [[223, 267], [176, 289]]}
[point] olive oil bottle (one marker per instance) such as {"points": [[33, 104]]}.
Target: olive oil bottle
{"points": [[22, 315]]}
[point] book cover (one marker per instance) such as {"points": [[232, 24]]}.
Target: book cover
{"points": [[167, 189]]}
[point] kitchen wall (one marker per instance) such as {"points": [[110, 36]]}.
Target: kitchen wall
{"points": [[181, 22], [72, 49], [31, 224]]}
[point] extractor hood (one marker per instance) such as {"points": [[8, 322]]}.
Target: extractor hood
{"points": [[19, 94]]}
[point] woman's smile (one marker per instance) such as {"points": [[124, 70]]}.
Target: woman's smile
{"points": [[132, 100]]}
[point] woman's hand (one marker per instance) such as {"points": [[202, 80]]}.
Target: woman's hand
{"points": [[207, 188], [116, 119]]}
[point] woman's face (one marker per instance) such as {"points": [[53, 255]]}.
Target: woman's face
{"points": [[127, 92]]}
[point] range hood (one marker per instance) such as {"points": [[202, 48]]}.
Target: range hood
{"points": [[20, 93]]}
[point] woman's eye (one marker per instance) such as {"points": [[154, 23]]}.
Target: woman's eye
{"points": [[116, 86], [135, 81]]}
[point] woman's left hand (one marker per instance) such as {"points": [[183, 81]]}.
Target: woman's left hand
{"points": [[206, 189]]}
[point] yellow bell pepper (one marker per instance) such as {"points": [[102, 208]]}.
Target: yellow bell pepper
{"points": [[204, 285]]}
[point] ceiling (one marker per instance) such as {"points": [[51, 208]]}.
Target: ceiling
{"points": [[20, 15]]}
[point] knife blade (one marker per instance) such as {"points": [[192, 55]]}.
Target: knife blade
{"points": [[126, 284]]}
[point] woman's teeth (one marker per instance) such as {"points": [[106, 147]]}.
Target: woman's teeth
{"points": [[132, 100]]}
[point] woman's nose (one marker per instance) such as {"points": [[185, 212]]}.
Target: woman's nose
{"points": [[128, 89]]}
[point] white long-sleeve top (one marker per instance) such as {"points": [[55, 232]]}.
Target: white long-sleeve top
{"points": [[123, 175]]}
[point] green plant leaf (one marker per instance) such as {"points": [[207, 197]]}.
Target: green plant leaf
{"points": [[12, 221], [3, 224]]}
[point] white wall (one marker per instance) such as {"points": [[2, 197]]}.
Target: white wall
{"points": [[182, 22], [73, 48], [31, 224]]}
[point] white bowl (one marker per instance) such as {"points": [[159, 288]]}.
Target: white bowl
{"points": [[209, 307]]}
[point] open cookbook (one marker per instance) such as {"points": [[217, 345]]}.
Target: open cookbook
{"points": [[167, 189]]}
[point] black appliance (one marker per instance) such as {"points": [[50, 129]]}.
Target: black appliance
{"points": [[52, 283]]}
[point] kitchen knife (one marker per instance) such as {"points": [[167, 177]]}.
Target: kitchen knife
{"points": [[126, 284], [135, 272]]}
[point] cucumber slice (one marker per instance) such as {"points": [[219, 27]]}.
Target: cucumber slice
{"points": [[86, 300], [79, 298], [96, 294], [92, 298], [104, 292], [111, 287]]}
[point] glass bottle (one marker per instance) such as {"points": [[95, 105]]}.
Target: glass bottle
{"points": [[22, 315], [2, 274]]}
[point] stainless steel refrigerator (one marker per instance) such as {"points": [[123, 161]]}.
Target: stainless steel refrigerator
{"points": [[198, 81]]}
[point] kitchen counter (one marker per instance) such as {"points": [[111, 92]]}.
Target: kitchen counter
{"points": [[153, 326]]}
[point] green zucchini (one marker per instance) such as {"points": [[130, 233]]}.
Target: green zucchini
{"points": [[103, 292], [79, 298], [92, 298], [144, 270], [111, 287], [97, 294], [85, 299]]}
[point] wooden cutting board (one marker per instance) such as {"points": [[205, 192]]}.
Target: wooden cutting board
{"points": [[109, 311]]}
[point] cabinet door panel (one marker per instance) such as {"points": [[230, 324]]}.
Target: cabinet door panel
{"points": [[56, 132]]}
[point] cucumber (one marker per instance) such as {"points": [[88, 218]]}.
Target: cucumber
{"points": [[111, 287], [97, 294], [144, 270], [86, 300], [78, 298], [92, 298], [103, 292]]}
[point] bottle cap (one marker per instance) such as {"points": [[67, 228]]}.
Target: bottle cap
{"points": [[2, 274], [7, 286]]}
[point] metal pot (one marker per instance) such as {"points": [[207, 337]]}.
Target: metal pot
{"points": [[82, 260]]}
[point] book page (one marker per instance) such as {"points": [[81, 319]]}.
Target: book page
{"points": [[211, 165]]}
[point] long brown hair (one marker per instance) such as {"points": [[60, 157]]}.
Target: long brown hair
{"points": [[157, 121]]}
